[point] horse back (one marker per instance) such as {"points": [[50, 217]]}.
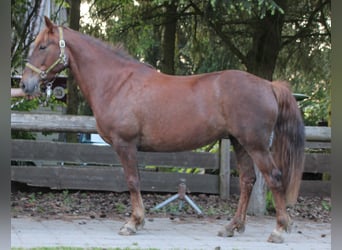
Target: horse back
{"points": [[181, 113]]}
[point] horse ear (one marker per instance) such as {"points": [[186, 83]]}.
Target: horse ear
{"points": [[49, 24]]}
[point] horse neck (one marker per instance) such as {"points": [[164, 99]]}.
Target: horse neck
{"points": [[89, 63]]}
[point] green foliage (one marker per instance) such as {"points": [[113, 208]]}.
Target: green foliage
{"points": [[305, 57], [315, 83], [32, 198], [248, 6], [175, 170], [214, 35], [67, 199], [20, 36], [326, 205], [270, 204], [120, 208], [26, 105], [62, 4], [21, 104]]}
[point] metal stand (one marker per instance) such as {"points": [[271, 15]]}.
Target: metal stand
{"points": [[182, 196]]}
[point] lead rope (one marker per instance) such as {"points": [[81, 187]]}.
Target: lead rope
{"points": [[44, 103], [48, 92], [17, 103]]}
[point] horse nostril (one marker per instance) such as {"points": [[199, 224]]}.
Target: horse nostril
{"points": [[22, 86]]}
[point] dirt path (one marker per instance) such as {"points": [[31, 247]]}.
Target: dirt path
{"points": [[42, 217], [163, 233]]}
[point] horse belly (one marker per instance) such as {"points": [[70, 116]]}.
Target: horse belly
{"points": [[182, 134]]}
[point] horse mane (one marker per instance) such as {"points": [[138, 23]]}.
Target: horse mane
{"points": [[118, 49]]}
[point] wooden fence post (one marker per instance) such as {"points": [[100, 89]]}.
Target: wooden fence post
{"points": [[224, 169]]}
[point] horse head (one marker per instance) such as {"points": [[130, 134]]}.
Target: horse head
{"points": [[48, 58]]}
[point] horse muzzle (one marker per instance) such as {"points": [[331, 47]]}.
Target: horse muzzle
{"points": [[30, 85]]}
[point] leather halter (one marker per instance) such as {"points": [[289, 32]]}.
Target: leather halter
{"points": [[61, 59]]}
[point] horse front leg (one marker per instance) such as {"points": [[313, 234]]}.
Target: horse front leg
{"points": [[128, 158], [247, 179]]}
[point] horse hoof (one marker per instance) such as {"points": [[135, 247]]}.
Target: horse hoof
{"points": [[241, 229], [127, 231], [288, 229], [141, 225], [275, 238], [225, 233]]}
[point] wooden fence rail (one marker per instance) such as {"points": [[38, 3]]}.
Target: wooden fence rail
{"points": [[87, 124], [82, 166]]}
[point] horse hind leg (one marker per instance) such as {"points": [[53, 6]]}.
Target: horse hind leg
{"points": [[273, 178], [247, 179], [128, 155]]}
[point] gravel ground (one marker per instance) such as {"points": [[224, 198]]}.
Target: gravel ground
{"points": [[51, 204]]}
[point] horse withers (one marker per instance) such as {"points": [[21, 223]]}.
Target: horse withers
{"points": [[138, 108]]}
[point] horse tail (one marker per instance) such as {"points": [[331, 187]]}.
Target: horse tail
{"points": [[289, 139]]}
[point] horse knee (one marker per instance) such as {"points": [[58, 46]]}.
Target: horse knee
{"points": [[248, 182]]}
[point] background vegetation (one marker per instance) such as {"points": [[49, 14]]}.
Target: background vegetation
{"points": [[280, 39]]}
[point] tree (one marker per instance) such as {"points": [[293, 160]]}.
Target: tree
{"points": [[73, 97], [169, 38], [283, 39], [23, 18], [305, 57]]}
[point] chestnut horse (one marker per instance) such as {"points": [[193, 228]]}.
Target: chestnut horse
{"points": [[138, 108]]}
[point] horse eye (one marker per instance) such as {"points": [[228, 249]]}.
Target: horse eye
{"points": [[42, 47]]}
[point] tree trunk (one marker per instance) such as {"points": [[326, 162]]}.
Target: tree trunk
{"points": [[262, 57], [261, 61], [73, 95], [169, 39]]}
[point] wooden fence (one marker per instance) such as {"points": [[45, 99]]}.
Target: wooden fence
{"points": [[60, 165]]}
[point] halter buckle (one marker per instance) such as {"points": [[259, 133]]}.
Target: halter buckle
{"points": [[43, 74], [61, 43]]}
